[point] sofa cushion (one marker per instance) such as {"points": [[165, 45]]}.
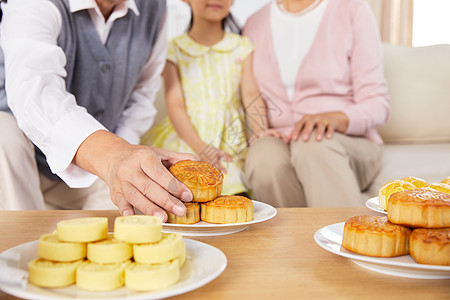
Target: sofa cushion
{"points": [[419, 87]]}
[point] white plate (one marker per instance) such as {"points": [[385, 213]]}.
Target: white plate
{"points": [[374, 205], [330, 238], [203, 264], [261, 211]]}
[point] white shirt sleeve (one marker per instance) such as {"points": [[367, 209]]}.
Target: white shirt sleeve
{"points": [[140, 113], [36, 90]]}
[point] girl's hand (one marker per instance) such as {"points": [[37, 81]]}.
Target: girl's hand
{"points": [[324, 123], [268, 132], [214, 155]]}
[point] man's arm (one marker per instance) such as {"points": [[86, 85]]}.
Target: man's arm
{"points": [[36, 90], [73, 141]]}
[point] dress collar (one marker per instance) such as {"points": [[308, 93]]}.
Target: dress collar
{"points": [[228, 43]]}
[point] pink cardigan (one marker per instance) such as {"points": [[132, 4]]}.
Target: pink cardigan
{"points": [[343, 70]]}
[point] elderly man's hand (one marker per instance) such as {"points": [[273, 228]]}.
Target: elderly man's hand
{"points": [[137, 176]]}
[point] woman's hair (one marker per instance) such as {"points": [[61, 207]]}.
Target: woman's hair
{"points": [[228, 22]]}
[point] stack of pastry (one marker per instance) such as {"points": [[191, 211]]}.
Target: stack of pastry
{"points": [[138, 255], [205, 182], [425, 208]]}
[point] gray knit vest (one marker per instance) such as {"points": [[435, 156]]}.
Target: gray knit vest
{"points": [[102, 76]]}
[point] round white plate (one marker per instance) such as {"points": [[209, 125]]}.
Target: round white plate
{"points": [[374, 205], [330, 238], [203, 264], [261, 211]]}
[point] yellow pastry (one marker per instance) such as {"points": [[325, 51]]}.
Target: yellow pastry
{"points": [[192, 215], [430, 246], [168, 248], [109, 250], [446, 180], [51, 248], [390, 188], [424, 207], [417, 182], [138, 229], [93, 276], [51, 274], [227, 209], [150, 277], [441, 187], [181, 259], [203, 179], [82, 229], [375, 236]]}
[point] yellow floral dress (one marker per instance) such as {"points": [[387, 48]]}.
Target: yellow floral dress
{"points": [[210, 78]]}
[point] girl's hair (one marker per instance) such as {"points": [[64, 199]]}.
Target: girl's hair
{"points": [[228, 22], [1, 13]]}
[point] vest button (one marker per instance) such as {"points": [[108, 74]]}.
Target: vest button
{"points": [[105, 68], [98, 114]]}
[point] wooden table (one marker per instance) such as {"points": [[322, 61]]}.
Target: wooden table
{"points": [[276, 259]]}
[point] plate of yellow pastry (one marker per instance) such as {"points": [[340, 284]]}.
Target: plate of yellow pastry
{"points": [[203, 264], [331, 238], [224, 215], [381, 203], [82, 260]]}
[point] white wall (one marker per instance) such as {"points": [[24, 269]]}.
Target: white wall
{"points": [[242, 9], [431, 22]]}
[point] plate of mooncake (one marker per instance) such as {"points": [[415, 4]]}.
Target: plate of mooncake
{"points": [[82, 260], [330, 238], [210, 212], [261, 212]]}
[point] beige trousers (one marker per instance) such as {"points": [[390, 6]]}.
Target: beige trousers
{"points": [[22, 187], [329, 173]]}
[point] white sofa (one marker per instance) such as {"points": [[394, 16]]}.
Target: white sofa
{"points": [[417, 135]]}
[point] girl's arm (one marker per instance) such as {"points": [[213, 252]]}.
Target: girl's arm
{"points": [[180, 120], [255, 109]]}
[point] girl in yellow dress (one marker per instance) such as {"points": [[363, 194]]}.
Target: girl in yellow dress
{"points": [[212, 99]]}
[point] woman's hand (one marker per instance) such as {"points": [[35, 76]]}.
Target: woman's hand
{"points": [[214, 156], [324, 123], [268, 132]]}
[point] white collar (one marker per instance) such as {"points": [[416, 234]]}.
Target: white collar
{"points": [[77, 5]]}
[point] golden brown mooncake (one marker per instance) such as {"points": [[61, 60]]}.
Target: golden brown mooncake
{"points": [[192, 215], [424, 207], [375, 236], [203, 179], [430, 246], [227, 209]]}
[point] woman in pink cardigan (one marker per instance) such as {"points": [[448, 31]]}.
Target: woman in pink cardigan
{"points": [[318, 65]]}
